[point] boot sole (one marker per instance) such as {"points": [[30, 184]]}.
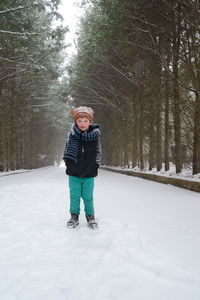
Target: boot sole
{"points": [[93, 227], [72, 226]]}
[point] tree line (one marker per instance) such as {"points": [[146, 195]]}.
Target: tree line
{"points": [[138, 66], [32, 95]]}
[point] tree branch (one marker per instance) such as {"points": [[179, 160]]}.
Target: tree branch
{"points": [[20, 7], [19, 33], [13, 61], [12, 9], [15, 73]]}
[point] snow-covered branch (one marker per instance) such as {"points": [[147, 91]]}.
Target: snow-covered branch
{"points": [[20, 7], [12, 9], [18, 33]]}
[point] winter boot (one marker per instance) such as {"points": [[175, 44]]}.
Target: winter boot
{"points": [[73, 222], [92, 224]]}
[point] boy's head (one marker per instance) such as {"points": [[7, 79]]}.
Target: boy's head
{"points": [[83, 117]]}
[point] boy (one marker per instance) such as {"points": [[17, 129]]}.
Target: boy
{"points": [[82, 157]]}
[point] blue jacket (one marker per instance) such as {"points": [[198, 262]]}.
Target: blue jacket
{"points": [[88, 158]]}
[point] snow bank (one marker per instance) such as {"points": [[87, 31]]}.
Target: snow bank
{"points": [[185, 174]]}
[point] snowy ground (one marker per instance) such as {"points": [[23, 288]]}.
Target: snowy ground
{"points": [[147, 245], [185, 174]]}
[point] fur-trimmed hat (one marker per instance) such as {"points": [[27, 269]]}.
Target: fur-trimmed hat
{"points": [[82, 112]]}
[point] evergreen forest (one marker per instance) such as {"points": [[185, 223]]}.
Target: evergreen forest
{"points": [[137, 65], [32, 85]]}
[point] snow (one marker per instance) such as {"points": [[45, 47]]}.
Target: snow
{"points": [[147, 245], [8, 173], [185, 174]]}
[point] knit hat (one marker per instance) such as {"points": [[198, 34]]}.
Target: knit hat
{"points": [[82, 112]]}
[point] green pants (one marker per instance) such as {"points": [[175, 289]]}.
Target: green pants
{"points": [[81, 188]]}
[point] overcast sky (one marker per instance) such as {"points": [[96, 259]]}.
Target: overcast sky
{"points": [[71, 13]]}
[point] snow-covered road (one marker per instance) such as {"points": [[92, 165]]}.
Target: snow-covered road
{"points": [[147, 245]]}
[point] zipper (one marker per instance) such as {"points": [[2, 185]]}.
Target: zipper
{"points": [[82, 152]]}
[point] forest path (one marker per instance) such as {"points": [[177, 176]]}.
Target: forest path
{"points": [[147, 245]]}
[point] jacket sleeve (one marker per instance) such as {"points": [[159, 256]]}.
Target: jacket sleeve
{"points": [[65, 150], [99, 152]]}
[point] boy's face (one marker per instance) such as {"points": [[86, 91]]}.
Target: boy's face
{"points": [[83, 124]]}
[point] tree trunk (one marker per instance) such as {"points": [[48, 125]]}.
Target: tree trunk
{"points": [[176, 94], [166, 151], [196, 143], [152, 141], [141, 129]]}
